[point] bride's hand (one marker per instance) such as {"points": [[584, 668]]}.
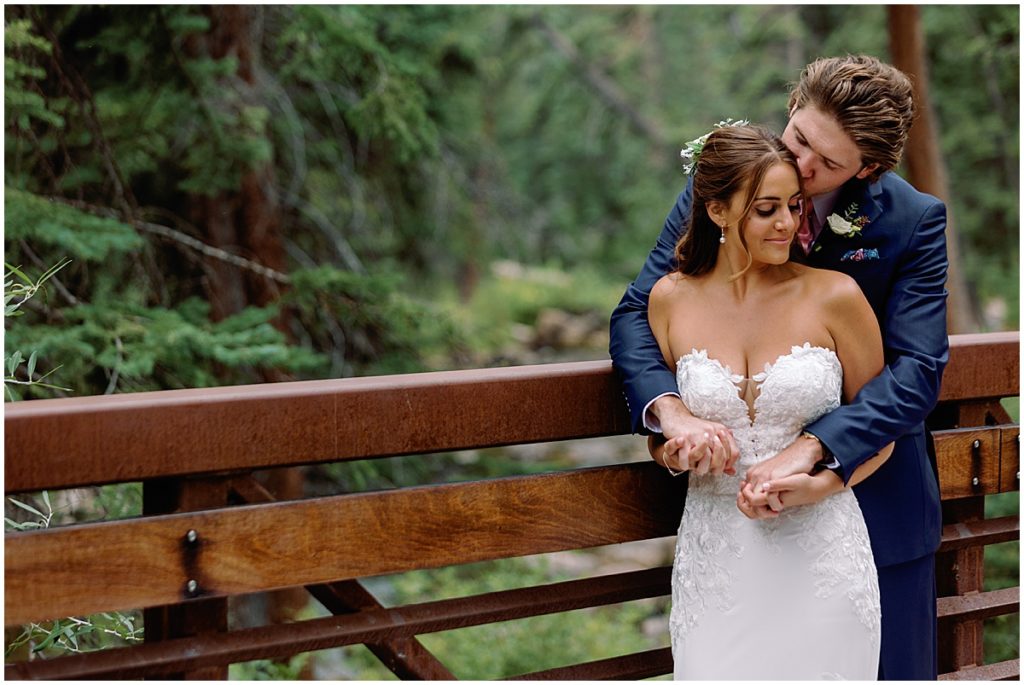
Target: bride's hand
{"points": [[704, 447], [801, 488], [701, 446], [755, 505]]}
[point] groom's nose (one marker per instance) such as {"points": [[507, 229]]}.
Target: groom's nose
{"points": [[805, 163]]}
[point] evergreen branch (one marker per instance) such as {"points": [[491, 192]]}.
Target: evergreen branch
{"points": [[179, 237]]}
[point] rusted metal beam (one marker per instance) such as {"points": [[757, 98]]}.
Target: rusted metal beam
{"points": [[138, 436], [406, 657], [629, 667], [971, 533], [978, 606], [1004, 670], [253, 548], [378, 625]]}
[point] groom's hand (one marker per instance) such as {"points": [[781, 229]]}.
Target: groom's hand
{"points": [[800, 457], [694, 444]]}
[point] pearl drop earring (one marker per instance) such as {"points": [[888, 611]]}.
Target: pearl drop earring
{"points": [[722, 239]]}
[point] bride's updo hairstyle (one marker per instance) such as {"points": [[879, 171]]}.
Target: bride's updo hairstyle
{"points": [[733, 158]]}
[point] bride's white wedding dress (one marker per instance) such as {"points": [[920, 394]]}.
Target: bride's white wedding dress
{"points": [[792, 597]]}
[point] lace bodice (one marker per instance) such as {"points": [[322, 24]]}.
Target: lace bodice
{"points": [[790, 393]]}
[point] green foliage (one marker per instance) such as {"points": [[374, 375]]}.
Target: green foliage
{"points": [[67, 635], [65, 229], [264, 669], [76, 635], [516, 294], [22, 48], [1002, 569], [133, 347], [379, 324], [18, 290]]}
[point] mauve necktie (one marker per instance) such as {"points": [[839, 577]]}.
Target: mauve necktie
{"points": [[804, 233]]}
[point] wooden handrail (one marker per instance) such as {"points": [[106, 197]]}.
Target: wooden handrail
{"points": [[209, 441], [138, 436]]}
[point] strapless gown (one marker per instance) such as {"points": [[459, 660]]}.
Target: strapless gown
{"points": [[789, 598]]}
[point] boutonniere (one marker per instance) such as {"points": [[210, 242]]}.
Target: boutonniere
{"points": [[849, 224]]}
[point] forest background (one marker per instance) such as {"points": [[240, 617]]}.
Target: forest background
{"points": [[246, 194]]}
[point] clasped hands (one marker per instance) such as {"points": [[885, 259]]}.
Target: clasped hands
{"points": [[707, 447]]}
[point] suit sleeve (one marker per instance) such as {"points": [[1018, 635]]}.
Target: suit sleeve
{"points": [[634, 351], [916, 352]]}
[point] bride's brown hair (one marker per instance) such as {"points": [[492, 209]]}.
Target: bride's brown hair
{"points": [[731, 157]]}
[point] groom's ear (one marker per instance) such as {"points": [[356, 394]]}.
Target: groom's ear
{"points": [[866, 171]]}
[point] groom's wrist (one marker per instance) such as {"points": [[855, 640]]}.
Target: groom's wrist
{"points": [[813, 451]]}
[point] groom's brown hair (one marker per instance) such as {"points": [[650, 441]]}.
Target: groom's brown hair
{"points": [[872, 101]]}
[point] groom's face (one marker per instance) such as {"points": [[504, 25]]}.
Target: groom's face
{"points": [[827, 156]]}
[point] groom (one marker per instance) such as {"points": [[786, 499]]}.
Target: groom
{"points": [[849, 120]]}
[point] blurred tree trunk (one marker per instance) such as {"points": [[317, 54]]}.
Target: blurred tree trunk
{"points": [[247, 221], [925, 165]]}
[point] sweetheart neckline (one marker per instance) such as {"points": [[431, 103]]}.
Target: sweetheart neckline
{"points": [[752, 410], [807, 346]]}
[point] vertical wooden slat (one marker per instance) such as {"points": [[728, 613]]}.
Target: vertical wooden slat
{"points": [[168, 495], [1009, 459], [961, 572]]}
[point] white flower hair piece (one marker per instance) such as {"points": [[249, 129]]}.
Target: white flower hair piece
{"points": [[691, 150]]}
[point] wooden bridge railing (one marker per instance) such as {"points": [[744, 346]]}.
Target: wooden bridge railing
{"points": [[210, 531]]}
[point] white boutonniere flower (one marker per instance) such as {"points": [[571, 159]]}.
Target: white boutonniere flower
{"points": [[848, 225]]}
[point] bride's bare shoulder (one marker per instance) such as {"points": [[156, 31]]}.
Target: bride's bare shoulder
{"points": [[671, 285], [828, 284]]}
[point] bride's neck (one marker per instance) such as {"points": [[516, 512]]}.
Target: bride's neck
{"points": [[752, 278]]}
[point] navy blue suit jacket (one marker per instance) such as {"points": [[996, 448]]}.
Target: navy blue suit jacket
{"points": [[899, 260]]}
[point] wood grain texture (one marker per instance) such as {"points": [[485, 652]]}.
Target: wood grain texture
{"points": [[1009, 459], [966, 471], [260, 547], [138, 436]]}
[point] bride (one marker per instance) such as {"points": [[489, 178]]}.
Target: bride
{"points": [[763, 346]]}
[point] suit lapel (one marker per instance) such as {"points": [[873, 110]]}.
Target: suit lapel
{"points": [[854, 192]]}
